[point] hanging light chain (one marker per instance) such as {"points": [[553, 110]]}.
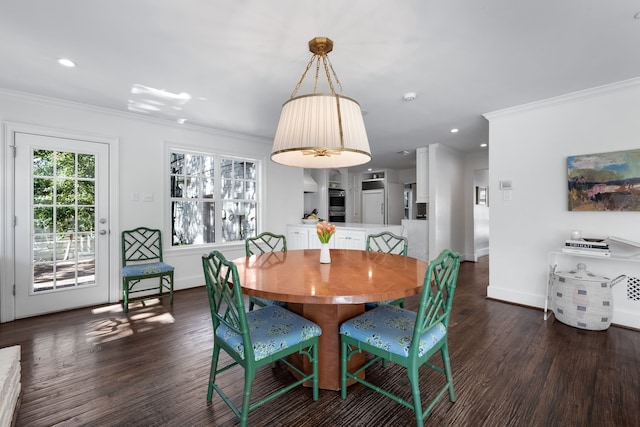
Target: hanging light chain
{"points": [[318, 54], [335, 76], [313, 57]]}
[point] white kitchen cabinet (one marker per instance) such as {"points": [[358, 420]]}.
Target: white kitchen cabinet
{"points": [[348, 239], [297, 237], [349, 236], [422, 175]]}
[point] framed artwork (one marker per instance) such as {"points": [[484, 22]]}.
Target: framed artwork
{"points": [[604, 181], [481, 195]]}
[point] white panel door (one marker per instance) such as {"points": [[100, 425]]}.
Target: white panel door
{"points": [[373, 206], [62, 227]]}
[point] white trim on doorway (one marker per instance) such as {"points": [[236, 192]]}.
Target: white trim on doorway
{"points": [[7, 212]]}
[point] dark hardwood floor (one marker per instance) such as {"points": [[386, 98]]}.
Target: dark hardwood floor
{"points": [[100, 367]]}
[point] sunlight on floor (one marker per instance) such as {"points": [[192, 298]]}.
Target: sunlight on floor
{"points": [[142, 317]]}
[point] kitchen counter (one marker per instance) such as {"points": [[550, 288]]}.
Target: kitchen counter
{"points": [[349, 235], [357, 226]]}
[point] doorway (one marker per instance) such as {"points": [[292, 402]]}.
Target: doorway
{"points": [[481, 213], [61, 232]]}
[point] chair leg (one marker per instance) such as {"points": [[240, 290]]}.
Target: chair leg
{"points": [[171, 287], [412, 371], [125, 295], [246, 395], [447, 369], [314, 353], [212, 373], [343, 370]]}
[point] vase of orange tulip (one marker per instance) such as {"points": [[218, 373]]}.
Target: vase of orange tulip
{"points": [[325, 231]]}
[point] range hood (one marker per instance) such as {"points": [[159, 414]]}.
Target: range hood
{"points": [[310, 185]]}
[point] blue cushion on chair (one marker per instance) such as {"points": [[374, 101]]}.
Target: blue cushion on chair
{"points": [[272, 329], [267, 302], [391, 328], [145, 269], [372, 305]]}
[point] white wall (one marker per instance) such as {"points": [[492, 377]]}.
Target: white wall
{"points": [[530, 145], [446, 200], [407, 176], [142, 166]]}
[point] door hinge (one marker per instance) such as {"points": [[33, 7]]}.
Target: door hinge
{"points": [[13, 149], [14, 290], [15, 221]]}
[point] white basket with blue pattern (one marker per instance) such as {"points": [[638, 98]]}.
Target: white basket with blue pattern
{"points": [[582, 299]]}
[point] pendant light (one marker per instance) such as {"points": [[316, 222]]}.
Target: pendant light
{"points": [[321, 130]]}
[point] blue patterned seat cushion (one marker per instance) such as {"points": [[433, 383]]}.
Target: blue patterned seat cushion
{"points": [[267, 302], [272, 329], [390, 327], [146, 269], [371, 305]]}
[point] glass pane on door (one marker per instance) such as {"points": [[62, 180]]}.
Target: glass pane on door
{"points": [[63, 221]]}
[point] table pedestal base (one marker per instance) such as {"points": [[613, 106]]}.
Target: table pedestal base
{"points": [[329, 317]]}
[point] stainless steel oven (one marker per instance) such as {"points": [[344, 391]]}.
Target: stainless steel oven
{"points": [[337, 205]]}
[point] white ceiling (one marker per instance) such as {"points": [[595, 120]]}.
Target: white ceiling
{"points": [[240, 60]]}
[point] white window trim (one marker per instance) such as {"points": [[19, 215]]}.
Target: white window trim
{"points": [[171, 147]]}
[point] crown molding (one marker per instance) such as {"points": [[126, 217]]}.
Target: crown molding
{"points": [[586, 93]]}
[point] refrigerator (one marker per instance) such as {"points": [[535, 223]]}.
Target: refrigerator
{"points": [[383, 205]]}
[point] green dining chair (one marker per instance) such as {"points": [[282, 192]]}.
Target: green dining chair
{"points": [[260, 244], [142, 260], [253, 339], [408, 338], [389, 243]]}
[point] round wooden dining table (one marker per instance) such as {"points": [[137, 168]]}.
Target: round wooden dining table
{"points": [[329, 294]]}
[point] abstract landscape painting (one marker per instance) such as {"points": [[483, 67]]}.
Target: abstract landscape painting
{"points": [[604, 181]]}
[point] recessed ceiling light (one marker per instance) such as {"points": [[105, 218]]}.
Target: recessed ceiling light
{"points": [[454, 130], [369, 169], [66, 62], [637, 15], [483, 145], [404, 152]]}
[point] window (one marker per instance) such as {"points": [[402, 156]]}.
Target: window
{"points": [[213, 198]]}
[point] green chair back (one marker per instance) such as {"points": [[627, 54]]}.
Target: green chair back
{"points": [[387, 242], [436, 298], [260, 244], [225, 298], [383, 332], [141, 260], [265, 242]]}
